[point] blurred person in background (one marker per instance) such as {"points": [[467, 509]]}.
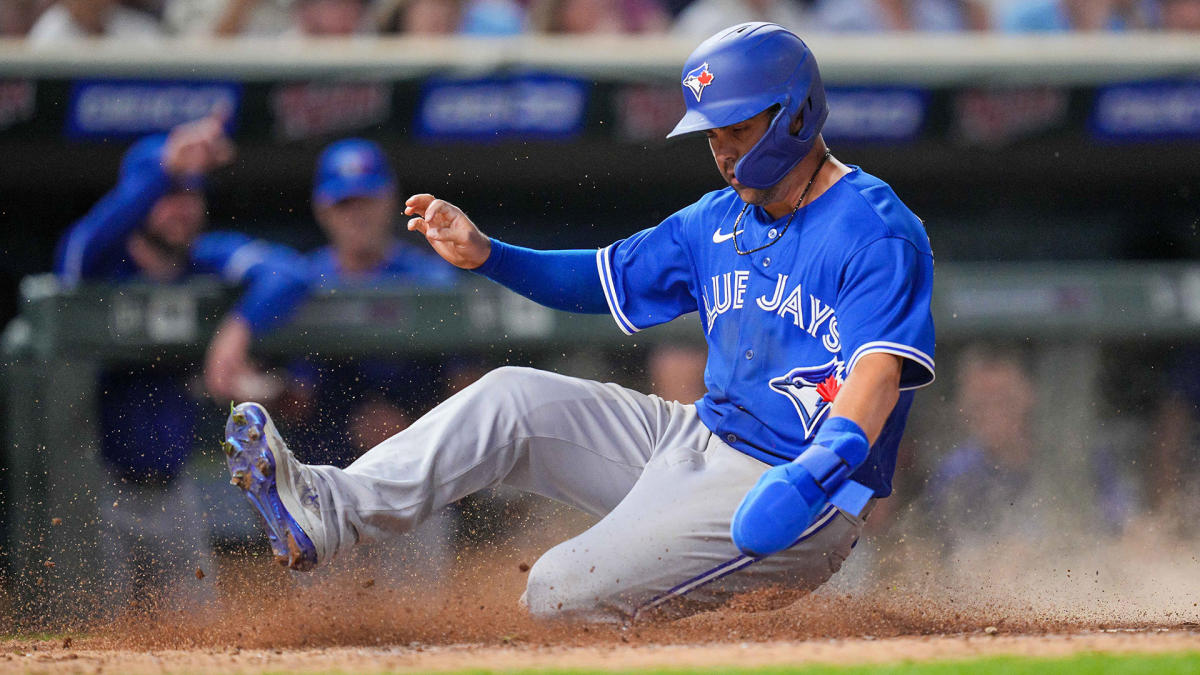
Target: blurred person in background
{"points": [[422, 17], [978, 494], [677, 371], [149, 229], [973, 491], [1179, 15], [485, 18], [71, 20], [330, 18], [881, 16], [18, 16], [598, 17], [355, 203], [1056, 16], [227, 18], [1169, 477], [271, 18], [705, 17]]}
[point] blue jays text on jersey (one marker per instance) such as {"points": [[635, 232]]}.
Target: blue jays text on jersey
{"points": [[851, 274]]}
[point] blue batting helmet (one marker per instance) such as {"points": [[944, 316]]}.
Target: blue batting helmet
{"points": [[353, 167], [744, 70]]}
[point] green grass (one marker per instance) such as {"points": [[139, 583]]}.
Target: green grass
{"points": [[1080, 664]]}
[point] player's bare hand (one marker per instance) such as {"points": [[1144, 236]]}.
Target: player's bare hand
{"points": [[448, 230], [195, 148]]}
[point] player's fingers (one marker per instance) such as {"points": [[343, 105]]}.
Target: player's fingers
{"points": [[221, 112], [435, 212], [417, 204], [417, 225], [206, 131]]}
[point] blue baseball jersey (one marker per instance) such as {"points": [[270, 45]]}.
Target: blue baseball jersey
{"points": [[847, 275], [403, 264]]}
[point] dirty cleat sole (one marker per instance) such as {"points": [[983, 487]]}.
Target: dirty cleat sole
{"points": [[255, 469]]}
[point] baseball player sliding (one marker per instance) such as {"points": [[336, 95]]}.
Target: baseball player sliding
{"points": [[813, 281]]}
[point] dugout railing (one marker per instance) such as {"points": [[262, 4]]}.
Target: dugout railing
{"points": [[63, 338]]}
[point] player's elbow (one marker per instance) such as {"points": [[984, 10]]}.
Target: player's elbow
{"points": [[881, 372]]}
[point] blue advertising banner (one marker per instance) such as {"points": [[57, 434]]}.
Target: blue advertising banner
{"points": [[123, 108], [502, 108], [876, 114], [1147, 111]]}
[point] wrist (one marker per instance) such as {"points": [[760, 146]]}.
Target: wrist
{"points": [[489, 246], [494, 259], [846, 438], [838, 449]]}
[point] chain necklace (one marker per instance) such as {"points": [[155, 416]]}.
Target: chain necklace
{"points": [[799, 203]]}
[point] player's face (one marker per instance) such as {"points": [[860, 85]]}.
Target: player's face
{"points": [[730, 143], [177, 219], [359, 225]]}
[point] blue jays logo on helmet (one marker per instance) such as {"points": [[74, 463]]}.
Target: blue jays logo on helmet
{"points": [[762, 65], [697, 79], [354, 162], [811, 391]]}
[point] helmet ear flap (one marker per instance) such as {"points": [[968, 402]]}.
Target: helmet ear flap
{"points": [[775, 154]]}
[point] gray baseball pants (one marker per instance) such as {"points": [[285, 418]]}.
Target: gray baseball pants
{"points": [[665, 487]]}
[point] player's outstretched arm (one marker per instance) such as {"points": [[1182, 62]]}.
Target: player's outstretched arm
{"points": [[448, 230], [564, 280]]}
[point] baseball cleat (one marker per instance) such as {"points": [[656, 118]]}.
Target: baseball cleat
{"points": [[279, 486]]}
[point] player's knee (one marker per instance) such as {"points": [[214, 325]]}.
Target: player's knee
{"points": [[507, 379], [554, 591]]}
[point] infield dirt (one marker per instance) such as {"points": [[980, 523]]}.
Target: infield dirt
{"points": [[267, 620]]}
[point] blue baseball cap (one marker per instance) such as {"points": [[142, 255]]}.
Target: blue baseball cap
{"points": [[146, 156], [353, 167]]}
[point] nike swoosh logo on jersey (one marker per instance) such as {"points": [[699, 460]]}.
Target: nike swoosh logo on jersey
{"points": [[719, 238]]}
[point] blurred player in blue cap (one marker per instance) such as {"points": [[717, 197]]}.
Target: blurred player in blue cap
{"points": [[347, 406], [356, 203], [813, 283], [150, 228]]}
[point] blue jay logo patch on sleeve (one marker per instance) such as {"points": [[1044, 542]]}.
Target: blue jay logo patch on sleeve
{"points": [[811, 391]]}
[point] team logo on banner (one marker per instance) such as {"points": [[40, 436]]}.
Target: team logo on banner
{"points": [[697, 79], [811, 391]]}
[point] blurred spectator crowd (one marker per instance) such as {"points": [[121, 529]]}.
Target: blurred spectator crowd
{"points": [[52, 21]]}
